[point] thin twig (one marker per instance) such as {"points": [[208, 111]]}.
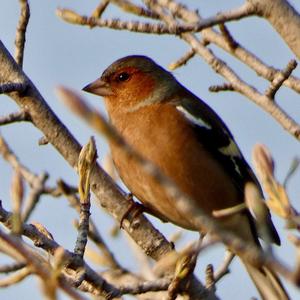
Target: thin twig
{"points": [[13, 160], [110, 259], [17, 196], [156, 28], [21, 32], [11, 267], [221, 213], [61, 189], [182, 60], [227, 35], [243, 88], [71, 261], [15, 278], [221, 88], [224, 267], [6, 88], [293, 168], [117, 24], [19, 116], [38, 265], [280, 78], [241, 53], [196, 24], [37, 189], [94, 234], [132, 8], [99, 10], [221, 40], [86, 162]]}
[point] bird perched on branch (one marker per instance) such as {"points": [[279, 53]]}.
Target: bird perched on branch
{"points": [[190, 144]]}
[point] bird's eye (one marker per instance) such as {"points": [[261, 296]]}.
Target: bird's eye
{"points": [[124, 76]]}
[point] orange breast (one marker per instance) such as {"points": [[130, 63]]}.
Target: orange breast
{"points": [[161, 134]]}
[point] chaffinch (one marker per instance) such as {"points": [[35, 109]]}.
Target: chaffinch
{"points": [[190, 144]]}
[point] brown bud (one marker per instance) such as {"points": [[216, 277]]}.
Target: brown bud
{"points": [[263, 162]]}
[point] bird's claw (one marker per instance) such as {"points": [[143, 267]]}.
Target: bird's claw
{"points": [[133, 210]]}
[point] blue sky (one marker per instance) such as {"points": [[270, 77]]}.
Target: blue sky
{"points": [[59, 53]]}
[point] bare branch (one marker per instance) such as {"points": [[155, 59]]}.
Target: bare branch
{"points": [[11, 267], [86, 278], [13, 160], [146, 286], [221, 41], [19, 116], [71, 261], [76, 272], [15, 278], [17, 194], [283, 18], [132, 8], [99, 10], [221, 88], [74, 18], [225, 40], [86, 162], [21, 32], [223, 268], [227, 35], [134, 26], [111, 197], [293, 168], [182, 60], [6, 88], [36, 263], [221, 213], [186, 205], [93, 233], [62, 188], [37, 189], [280, 78], [240, 86]]}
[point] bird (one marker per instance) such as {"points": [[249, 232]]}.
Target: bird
{"points": [[186, 139]]}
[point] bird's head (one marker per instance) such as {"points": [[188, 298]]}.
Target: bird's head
{"points": [[132, 82]]}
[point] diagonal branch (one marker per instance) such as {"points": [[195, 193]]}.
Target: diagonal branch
{"points": [[237, 83], [186, 204], [108, 194], [241, 53], [280, 79]]}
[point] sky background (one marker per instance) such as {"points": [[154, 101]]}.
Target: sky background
{"points": [[58, 53]]}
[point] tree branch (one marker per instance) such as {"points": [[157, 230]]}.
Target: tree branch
{"points": [[284, 19], [19, 116], [108, 194], [21, 32]]}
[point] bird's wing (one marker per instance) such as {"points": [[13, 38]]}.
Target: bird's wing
{"points": [[214, 135]]}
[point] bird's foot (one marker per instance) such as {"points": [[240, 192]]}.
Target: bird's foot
{"points": [[134, 210]]}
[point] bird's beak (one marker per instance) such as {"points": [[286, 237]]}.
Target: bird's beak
{"points": [[98, 87]]}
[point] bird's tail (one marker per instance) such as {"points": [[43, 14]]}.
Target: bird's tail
{"points": [[267, 283]]}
